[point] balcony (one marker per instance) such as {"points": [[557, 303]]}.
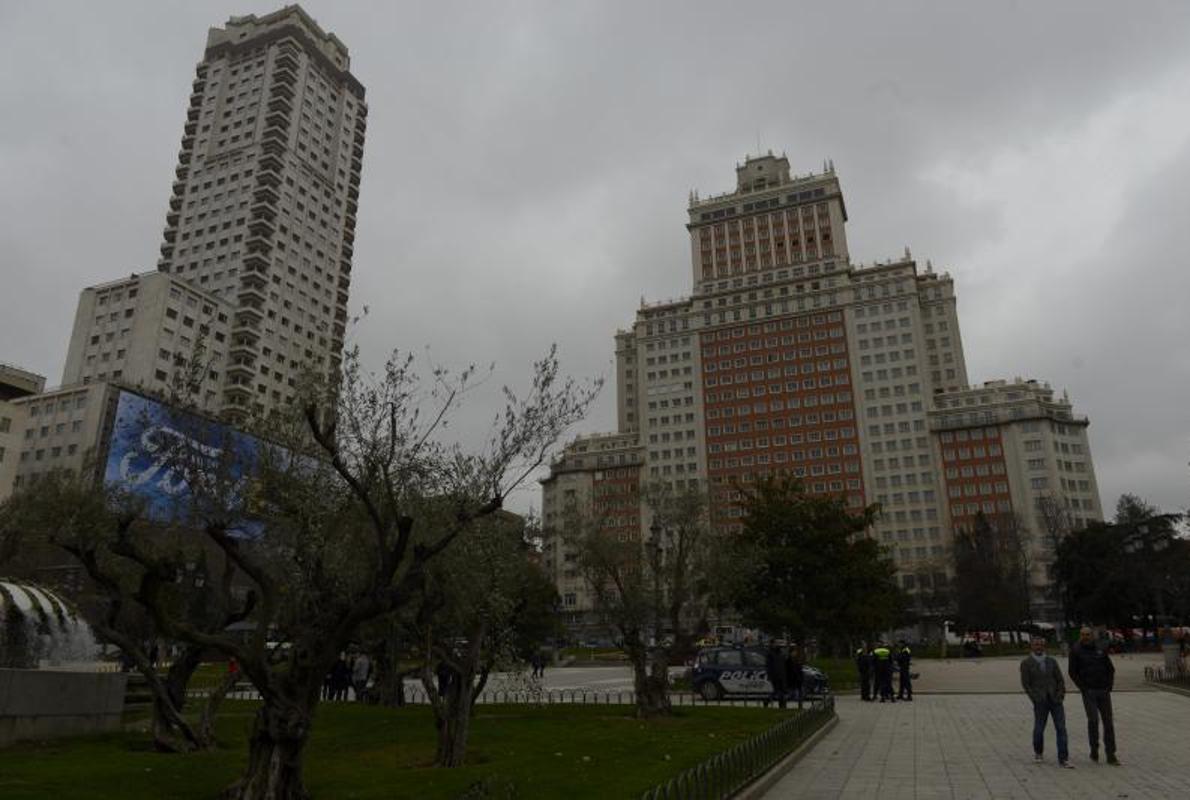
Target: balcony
{"points": [[191, 126], [192, 114], [268, 177], [271, 161], [361, 125], [286, 59], [199, 85], [353, 193], [277, 119], [265, 194], [353, 178], [184, 157], [263, 211], [344, 283], [244, 342], [279, 103], [344, 265], [341, 297], [172, 217], [171, 233], [349, 236], [242, 368], [260, 227], [258, 244], [348, 250], [284, 75], [256, 262], [182, 172], [175, 203], [167, 249], [249, 316], [357, 148], [274, 143]]}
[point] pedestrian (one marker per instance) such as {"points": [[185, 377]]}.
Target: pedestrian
{"points": [[863, 665], [905, 678], [1092, 671], [882, 666], [794, 675], [361, 669], [1042, 680], [774, 665], [340, 678]]}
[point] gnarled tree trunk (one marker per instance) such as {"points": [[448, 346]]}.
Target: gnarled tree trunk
{"points": [[650, 680], [276, 749]]}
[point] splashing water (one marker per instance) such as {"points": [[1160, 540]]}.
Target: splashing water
{"points": [[40, 630]]}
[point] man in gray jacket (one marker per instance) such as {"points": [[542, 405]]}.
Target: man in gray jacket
{"points": [[1042, 680]]}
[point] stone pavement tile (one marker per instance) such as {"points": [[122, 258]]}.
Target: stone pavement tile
{"points": [[979, 746]]}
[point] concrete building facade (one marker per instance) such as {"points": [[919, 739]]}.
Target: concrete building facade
{"points": [[154, 332], [786, 357], [15, 383], [263, 210]]}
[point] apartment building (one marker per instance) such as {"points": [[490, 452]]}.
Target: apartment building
{"points": [[1011, 450], [15, 383], [599, 476], [786, 357], [154, 332], [263, 210]]}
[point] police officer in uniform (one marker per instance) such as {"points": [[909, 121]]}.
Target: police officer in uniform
{"points": [[863, 663], [905, 684], [883, 662]]}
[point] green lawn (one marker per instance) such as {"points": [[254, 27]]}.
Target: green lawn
{"points": [[367, 752]]}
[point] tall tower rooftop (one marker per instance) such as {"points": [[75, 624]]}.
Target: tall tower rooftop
{"points": [[761, 172]]}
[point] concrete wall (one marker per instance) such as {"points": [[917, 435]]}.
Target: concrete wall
{"points": [[43, 704]]}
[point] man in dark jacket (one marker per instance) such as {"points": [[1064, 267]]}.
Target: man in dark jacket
{"points": [[1042, 680], [863, 663], [774, 665], [1093, 673], [905, 678]]}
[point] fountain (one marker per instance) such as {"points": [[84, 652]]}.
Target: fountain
{"points": [[38, 629], [50, 683]]}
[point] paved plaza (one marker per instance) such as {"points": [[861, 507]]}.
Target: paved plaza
{"points": [[963, 738]]}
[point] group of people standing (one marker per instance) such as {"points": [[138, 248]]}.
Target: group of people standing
{"points": [[876, 664], [784, 670], [1093, 673], [348, 672]]}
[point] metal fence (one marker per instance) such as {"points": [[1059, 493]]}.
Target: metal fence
{"points": [[417, 696], [725, 774], [1176, 677]]}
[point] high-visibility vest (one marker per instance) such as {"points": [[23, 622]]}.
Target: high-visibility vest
{"points": [[881, 654]]}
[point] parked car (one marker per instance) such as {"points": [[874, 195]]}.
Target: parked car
{"points": [[739, 672]]}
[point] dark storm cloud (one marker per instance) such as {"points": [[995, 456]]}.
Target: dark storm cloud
{"points": [[527, 169]]}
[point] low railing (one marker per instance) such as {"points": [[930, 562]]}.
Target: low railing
{"points": [[415, 696], [724, 775], [1176, 677]]}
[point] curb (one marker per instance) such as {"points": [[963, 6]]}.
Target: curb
{"points": [[758, 787], [1171, 689]]}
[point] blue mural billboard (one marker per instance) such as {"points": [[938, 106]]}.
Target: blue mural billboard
{"points": [[153, 447]]}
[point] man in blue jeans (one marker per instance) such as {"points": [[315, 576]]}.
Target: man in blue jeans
{"points": [[1042, 680]]}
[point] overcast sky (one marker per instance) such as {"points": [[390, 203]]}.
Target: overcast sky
{"points": [[527, 169]]}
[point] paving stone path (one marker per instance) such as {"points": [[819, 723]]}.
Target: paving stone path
{"points": [[978, 745]]}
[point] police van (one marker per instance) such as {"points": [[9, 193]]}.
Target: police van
{"points": [[740, 672]]}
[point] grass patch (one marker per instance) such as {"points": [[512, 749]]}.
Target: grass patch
{"points": [[359, 752]]}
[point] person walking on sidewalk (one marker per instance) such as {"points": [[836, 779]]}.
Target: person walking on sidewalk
{"points": [[1042, 680], [1093, 673]]}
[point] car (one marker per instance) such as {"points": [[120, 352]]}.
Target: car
{"points": [[739, 672]]}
